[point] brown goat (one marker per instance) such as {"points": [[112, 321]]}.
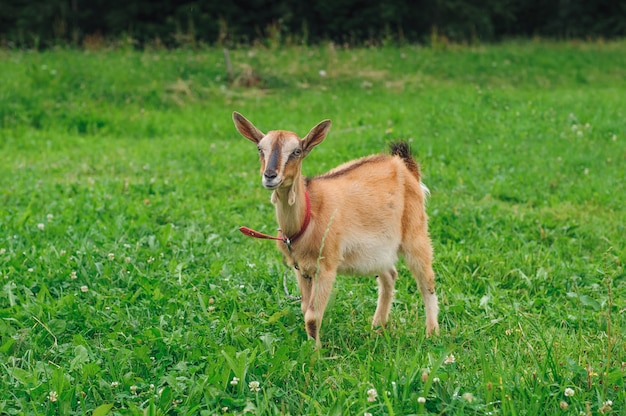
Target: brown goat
{"points": [[355, 219]]}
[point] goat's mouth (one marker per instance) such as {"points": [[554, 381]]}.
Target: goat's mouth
{"points": [[271, 185]]}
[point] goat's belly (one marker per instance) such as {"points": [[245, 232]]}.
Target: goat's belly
{"points": [[369, 259]]}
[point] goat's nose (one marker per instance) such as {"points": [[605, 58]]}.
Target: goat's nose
{"points": [[270, 174]]}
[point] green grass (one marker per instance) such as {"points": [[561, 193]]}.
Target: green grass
{"points": [[126, 287]]}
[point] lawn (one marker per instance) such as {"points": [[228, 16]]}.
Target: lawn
{"points": [[127, 288]]}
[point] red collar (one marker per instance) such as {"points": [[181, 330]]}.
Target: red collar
{"points": [[285, 239]]}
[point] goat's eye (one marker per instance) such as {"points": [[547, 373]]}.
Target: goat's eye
{"points": [[297, 152], [260, 151]]}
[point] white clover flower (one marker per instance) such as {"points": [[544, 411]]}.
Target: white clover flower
{"points": [[3, 250], [73, 274], [41, 226], [421, 400], [111, 256], [84, 289], [133, 389], [450, 359], [150, 260], [606, 407], [367, 414], [234, 381], [469, 397], [49, 217], [114, 384], [322, 73], [436, 380], [53, 396], [563, 405], [569, 392], [254, 386], [127, 259], [372, 394]]}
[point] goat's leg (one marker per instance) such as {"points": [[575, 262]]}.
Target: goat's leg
{"points": [[321, 287], [305, 284], [386, 284], [419, 259]]}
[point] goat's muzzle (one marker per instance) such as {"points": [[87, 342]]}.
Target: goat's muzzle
{"points": [[271, 180], [270, 174]]}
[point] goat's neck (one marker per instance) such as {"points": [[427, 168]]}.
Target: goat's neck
{"points": [[290, 216]]}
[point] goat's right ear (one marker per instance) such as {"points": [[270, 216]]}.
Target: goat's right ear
{"points": [[246, 128], [315, 136]]}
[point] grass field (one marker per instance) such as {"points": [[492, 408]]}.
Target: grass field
{"points": [[127, 289]]}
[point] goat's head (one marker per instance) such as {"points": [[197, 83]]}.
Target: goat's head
{"points": [[281, 152]]}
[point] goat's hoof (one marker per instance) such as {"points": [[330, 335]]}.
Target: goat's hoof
{"points": [[432, 331], [378, 329]]}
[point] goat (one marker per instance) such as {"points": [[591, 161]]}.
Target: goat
{"points": [[354, 219]]}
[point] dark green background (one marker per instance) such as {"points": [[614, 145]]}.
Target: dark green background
{"points": [[42, 23]]}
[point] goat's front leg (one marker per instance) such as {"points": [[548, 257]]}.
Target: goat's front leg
{"points": [[305, 284], [321, 287]]}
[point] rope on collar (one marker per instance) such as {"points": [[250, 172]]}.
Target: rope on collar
{"points": [[285, 239]]}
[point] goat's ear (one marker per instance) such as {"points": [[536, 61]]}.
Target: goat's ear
{"points": [[315, 136], [246, 128]]}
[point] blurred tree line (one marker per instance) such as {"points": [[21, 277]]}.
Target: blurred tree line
{"points": [[42, 23]]}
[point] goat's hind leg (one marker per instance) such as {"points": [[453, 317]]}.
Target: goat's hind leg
{"points": [[386, 284], [419, 258]]}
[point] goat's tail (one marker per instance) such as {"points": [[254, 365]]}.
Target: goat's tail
{"points": [[402, 149]]}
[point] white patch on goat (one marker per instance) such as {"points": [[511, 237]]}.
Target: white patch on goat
{"points": [[364, 254]]}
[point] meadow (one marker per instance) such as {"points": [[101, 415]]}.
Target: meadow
{"points": [[127, 288]]}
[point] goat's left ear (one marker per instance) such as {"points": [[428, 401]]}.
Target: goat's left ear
{"points": [[315, 136], [246, 128]]}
